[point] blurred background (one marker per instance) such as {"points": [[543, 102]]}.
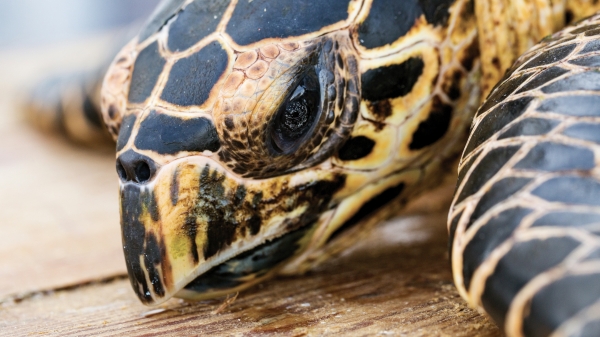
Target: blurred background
{"points": [[59, 213], [25, 23]]}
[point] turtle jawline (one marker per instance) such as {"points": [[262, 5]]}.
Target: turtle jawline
{"points": [[248, 267]]}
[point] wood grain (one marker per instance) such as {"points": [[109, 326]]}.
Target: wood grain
{"points": [[395, 283], [58, 203]]}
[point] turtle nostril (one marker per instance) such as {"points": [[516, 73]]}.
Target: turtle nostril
{"points": [[121, 171], [134, 167], [142, 172]]}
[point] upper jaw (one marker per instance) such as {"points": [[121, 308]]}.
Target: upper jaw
{"points": [[194, 215]]}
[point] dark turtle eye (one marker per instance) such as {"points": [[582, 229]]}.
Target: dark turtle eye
{"points": [[297, 115]]}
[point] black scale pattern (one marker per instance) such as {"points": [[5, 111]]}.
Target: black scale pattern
{"points": [[528, 194]]}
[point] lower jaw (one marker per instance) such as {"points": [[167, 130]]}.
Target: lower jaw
{"points": [[249, 268]]}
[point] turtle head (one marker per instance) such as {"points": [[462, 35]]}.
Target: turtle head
{"points": [[223, 154]]}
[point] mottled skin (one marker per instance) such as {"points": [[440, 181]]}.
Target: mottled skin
{"points": [[262, 137]]}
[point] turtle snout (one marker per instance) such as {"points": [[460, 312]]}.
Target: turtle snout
{"points": [[134, 167]]}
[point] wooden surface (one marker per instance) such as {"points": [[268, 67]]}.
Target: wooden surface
{"points": [[62, 271], [58, 203]]}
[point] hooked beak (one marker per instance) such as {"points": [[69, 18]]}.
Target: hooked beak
{"points": [[197, 232]]}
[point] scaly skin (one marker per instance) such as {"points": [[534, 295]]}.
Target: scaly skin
{"points": [[524, 223]]}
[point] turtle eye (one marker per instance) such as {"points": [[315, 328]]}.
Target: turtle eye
{"points": [[297, 116]]}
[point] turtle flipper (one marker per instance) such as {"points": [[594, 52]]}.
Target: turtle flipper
{"points": [[525, 221], [70, 105]]}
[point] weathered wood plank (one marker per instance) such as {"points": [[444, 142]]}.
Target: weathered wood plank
{"points": [[58, 203], [395, 283]]}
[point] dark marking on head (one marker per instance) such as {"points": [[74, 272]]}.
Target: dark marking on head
{"points": [[256, 20], [572, 105], [436, 12], [388, 21], [169, 135], [434, 127], [584, 131], [391, 81], [486, 169], [257, 262], [553, 157], [471, 54], [190, 228], [163, 13], [453, 87], [356, 148], [256, 200], [496, 62], [231, 214], [589, 80], [229, 124], [570, 190], [218, 212], [551, 56], [369, 208], [380, 109], [195, 22], [146, 70], [488, 238], [125, 131], [137, 243], [530, 127], [149, 201], [191, 79], [521, 264], [153, 257], [497, 119], [174, 189]]}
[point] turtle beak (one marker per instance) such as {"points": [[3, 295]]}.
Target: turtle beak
{"points": [[193, 216], [148, 233]]}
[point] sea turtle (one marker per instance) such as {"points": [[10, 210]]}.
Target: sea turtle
{"points": [[260, 137]]}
